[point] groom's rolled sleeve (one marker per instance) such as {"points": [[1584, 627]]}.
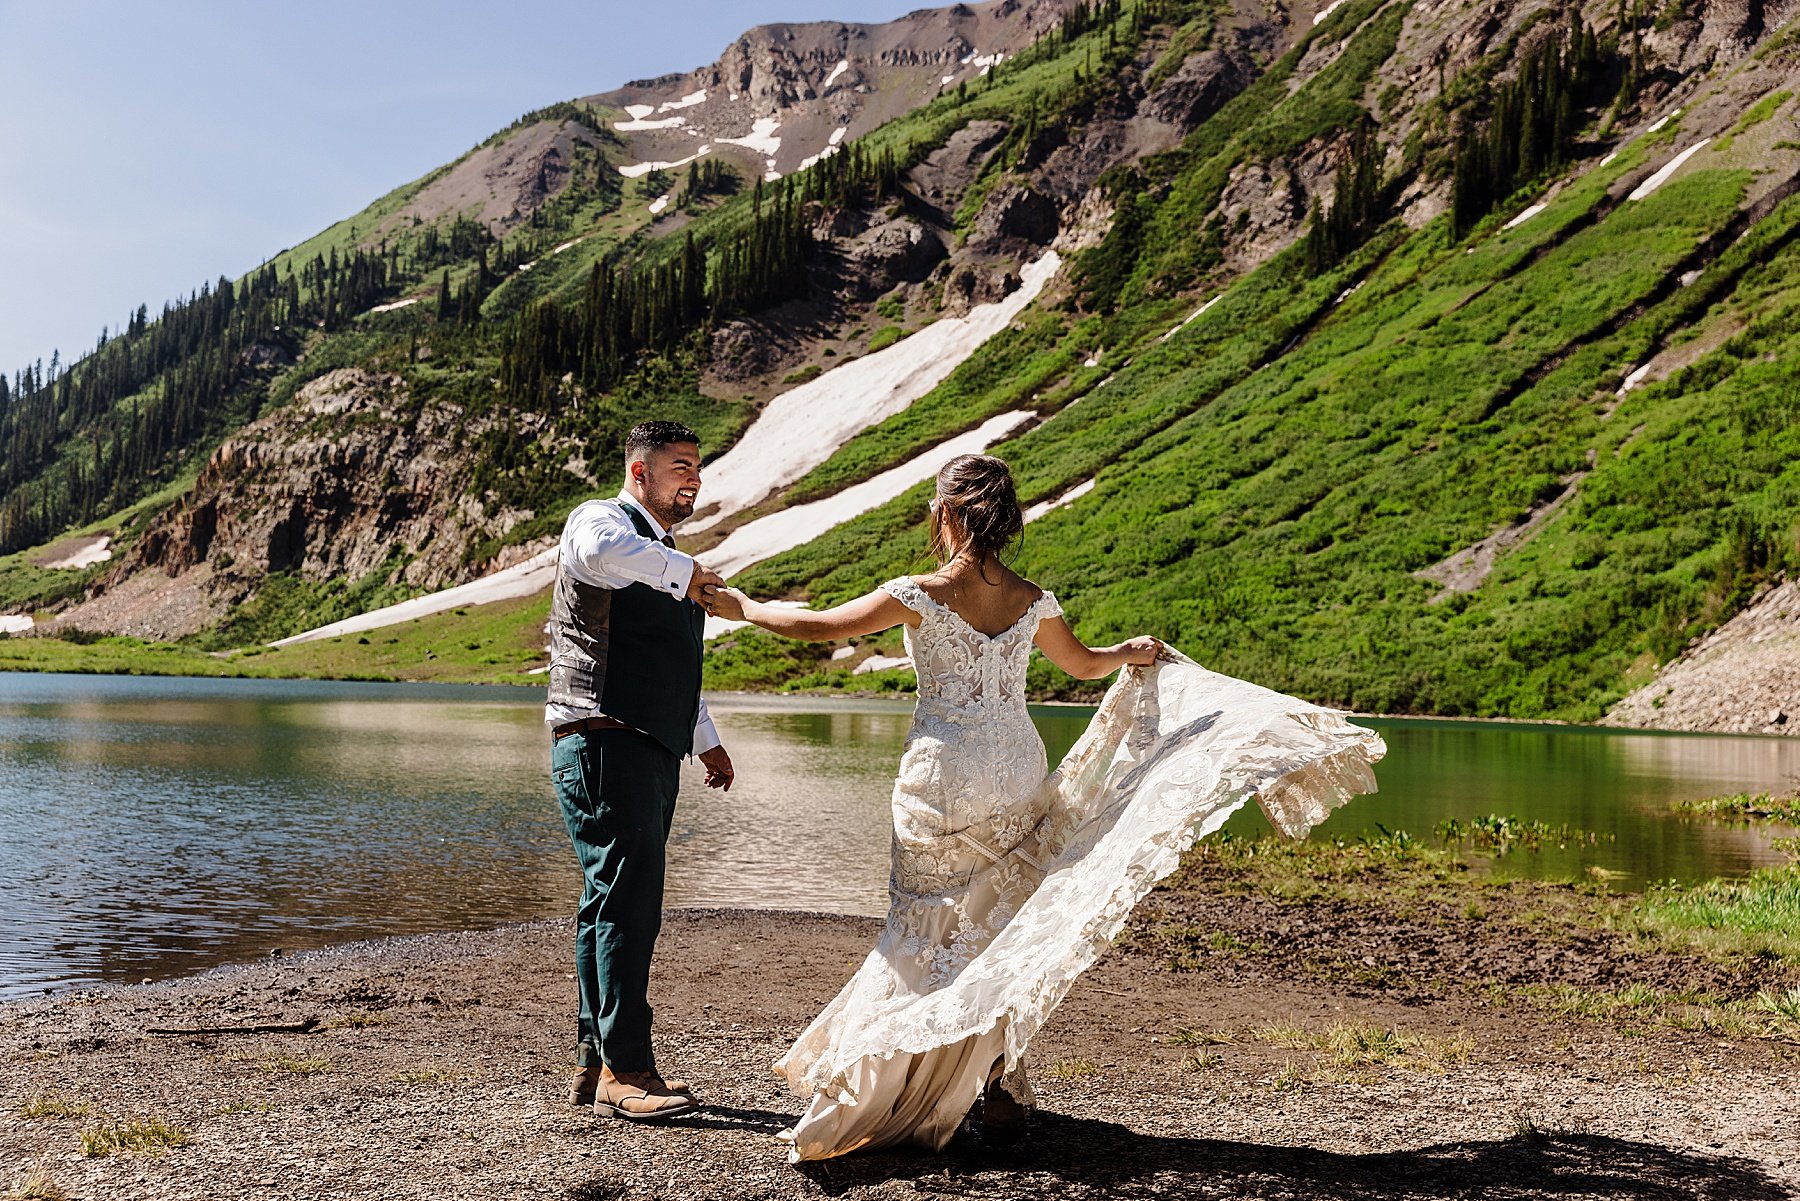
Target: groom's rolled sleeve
{"points": [[706, 735]]}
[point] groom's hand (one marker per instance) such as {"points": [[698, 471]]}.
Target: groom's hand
{"points": [[718, 768], [702, 579]]}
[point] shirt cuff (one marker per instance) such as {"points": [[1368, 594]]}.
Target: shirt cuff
{"points": [[706, 735], [678, 575]]}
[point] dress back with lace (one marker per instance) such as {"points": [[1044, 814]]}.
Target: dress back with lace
{"points": [[960, 667], [1009, 880]]}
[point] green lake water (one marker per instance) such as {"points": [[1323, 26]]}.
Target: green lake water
{"points": [[152, 827]]}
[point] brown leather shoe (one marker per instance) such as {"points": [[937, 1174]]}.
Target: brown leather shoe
{"points": [[639, 1096], [586, 1082]]}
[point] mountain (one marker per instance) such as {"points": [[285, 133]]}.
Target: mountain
{"points": [[1403, 355]]}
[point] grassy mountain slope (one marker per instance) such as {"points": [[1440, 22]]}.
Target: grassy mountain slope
{"points": [[1269, 489]]}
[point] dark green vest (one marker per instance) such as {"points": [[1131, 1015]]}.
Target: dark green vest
{"points": [[632, 653]]}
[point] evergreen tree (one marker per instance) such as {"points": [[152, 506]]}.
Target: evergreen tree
{"points": [[1530, 129], [1358, 206]]}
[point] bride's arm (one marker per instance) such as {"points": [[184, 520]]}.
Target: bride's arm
{"points": [[1084, 662], [864, 615]]}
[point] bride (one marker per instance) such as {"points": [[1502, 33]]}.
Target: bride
{"points": [[1007, 881]]}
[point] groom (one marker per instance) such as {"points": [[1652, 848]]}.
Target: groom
{"points": [[624, 709]]}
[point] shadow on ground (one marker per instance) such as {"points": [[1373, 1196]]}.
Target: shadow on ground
{"points": [[1072, 1158]]}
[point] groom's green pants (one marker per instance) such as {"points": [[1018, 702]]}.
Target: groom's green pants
{"points": [[617, 790]]}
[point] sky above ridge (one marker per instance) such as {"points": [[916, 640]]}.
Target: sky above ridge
{"points": [[148, 148]]}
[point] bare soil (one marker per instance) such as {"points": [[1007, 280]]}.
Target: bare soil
{"points": [[1179, 1067]]}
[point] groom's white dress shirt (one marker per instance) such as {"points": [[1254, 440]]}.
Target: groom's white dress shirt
{"points": [[601, 548]]}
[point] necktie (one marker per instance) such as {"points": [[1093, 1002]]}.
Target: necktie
{"points": [[668, 540]]}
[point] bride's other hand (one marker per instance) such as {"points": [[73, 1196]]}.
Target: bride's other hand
{"points": [[1141, 651], [725, 602]]}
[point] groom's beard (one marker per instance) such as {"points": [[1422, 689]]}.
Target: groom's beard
{"points": [[679, 507], [674, 506]]}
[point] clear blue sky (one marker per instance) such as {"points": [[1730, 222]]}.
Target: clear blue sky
{"points": [[148, 147]]}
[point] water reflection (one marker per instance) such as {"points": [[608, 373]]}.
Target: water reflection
{"points": [[1622, 785], [151, 827]]}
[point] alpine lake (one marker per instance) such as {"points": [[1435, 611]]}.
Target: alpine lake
{"points": [[156, 827]]}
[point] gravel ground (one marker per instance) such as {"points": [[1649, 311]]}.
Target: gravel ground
{"points": [[439, 1072]]}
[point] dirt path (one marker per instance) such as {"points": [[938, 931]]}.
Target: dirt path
{"points": [[1195, 1062]]}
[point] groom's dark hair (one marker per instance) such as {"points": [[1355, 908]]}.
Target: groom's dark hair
{"points": [[648, 434]]}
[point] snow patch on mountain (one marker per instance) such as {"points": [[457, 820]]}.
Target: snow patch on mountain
{"points": [[1059, 502], [1668, 171], [633, 170], [794, 526], [761, 137], [1525, 216], [805, 425]]}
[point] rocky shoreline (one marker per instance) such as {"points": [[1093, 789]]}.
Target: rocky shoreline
{"points": [[436, 1070]]}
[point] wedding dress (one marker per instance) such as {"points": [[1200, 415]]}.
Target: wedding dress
{"points": [[1007, 883]]}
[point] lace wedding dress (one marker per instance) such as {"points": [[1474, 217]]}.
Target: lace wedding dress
{"points": [[1008, 882]]}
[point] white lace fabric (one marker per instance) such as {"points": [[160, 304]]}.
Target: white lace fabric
{"points": [[1008, 882]]}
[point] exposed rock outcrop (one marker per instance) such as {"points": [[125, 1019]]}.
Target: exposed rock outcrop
{"points": [[887, 253], [785, 94], [1013, 220], [1743, 678], [354, 477], [1199, 88]]}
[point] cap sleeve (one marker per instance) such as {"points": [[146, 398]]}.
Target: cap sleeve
{"points": [[908, 593], [1048, 606]]}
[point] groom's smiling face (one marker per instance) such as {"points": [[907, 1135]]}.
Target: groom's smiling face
{"points": [[668, 480]]}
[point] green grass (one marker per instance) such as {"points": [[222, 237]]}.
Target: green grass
{"points": [[486, 644], [1746, 807], [1757, 915], [1364, 1044], [36, 1185], [1500, 835], [885, 337], [1755, 115], [287, 603], [52, 1105], [1072, 1069], [1745, 925], [424, 1075], [1753, 917], [1761, 111], [153, 1134], [1636, 1007], [1266, 511]]}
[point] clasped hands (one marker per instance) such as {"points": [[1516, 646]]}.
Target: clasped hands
{"points": [[708, 589]]}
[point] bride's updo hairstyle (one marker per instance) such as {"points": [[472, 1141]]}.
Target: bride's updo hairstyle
{"points": [[975, 492]]}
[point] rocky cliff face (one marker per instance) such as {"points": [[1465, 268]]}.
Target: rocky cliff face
{"points": [[784, 95], [356, 477], [1744, 678]]}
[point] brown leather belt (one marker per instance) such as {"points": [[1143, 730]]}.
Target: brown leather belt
{"points": [[601, 722]]}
